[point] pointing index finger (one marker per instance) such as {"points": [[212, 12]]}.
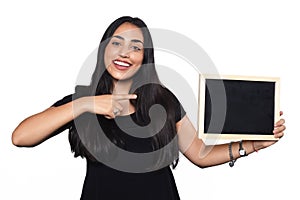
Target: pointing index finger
{"points": [[124, 96]]}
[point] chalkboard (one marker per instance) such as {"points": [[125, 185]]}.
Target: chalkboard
{"points": [[238, 107]]}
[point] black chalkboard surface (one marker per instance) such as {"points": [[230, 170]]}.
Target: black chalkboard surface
{"points": [[238, 107]]}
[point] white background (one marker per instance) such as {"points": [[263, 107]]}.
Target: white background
{"points": [[44, 44]]}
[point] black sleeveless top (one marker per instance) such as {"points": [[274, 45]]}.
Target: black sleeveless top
{"points": [[105, 182]]}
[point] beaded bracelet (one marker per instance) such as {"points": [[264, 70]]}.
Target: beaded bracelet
{"points": [[232, 161]]}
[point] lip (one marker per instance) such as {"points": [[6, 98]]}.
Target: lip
{"points": [[121, 64]]}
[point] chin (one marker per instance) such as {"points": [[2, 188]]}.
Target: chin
{"points": [[123, 76]]}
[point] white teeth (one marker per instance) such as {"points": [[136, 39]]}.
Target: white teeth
{"points": [[121, 63]]}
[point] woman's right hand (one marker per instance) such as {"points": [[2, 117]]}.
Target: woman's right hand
{"points": [[38, 127], [109, 105]]}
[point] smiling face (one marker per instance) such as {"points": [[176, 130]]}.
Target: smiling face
{"points": [[124, 53]]}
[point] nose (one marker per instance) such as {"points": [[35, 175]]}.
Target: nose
{"points": [[124, 53]]}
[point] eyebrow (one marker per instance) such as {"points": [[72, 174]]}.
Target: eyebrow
{"points": [[133, 40]]}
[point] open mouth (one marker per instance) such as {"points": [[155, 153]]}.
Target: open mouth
{"points": [[122, 65]]}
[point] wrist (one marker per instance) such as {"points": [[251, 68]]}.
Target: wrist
{"points": [[82, 105], [242, 151]]}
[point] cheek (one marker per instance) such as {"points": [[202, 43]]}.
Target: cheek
{"points": [[106, 57], [109, 55], [139, 59]]}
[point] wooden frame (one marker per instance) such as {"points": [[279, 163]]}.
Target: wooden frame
{"points": [[238, 107]]}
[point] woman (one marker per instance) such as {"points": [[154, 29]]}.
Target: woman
{"points": [[116, 123]]}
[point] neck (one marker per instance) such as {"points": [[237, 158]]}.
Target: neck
{"points": [[122, 86]]}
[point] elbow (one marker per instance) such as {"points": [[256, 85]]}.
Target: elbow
{"points": [[204, 165], [16, 139], [201, 166], [20, 139]]}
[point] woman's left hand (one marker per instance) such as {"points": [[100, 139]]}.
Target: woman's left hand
{"points": [[278, 133]]}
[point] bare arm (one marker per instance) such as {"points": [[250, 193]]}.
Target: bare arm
{"points": [[204, 155], [41, 126]]}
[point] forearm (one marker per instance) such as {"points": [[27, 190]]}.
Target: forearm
{"points": [[40, 126], [219, 154], [204, 155]]}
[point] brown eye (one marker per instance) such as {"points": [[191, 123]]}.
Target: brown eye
{"points": [[136, 48], [116, 43]]}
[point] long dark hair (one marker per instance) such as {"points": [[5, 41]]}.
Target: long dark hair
{"points": [[149, 90]]}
